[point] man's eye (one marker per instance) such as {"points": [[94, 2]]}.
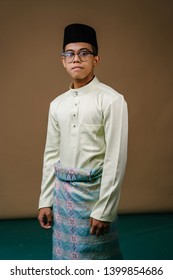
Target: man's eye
{"points": [[83, 53], [69, 54]]}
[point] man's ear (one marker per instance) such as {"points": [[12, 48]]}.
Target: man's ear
{"points": [[63, 62], [96, 60]]}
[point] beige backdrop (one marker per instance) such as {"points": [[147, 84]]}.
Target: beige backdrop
{"points": [[135, 40]]}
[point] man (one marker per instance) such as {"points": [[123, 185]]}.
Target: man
{"points": [[86, 151]]}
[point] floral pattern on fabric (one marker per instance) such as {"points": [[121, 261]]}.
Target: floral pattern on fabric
{"points": [[75, 193]]}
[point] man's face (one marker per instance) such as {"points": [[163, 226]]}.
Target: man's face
{"points": [[79, 61]]}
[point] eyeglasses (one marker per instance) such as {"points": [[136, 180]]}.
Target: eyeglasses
{"points": [[83, 55]]}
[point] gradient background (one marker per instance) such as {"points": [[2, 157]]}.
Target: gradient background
{"points": [[136, 47]]}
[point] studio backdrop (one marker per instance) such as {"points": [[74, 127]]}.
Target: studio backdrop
{"points": [[135, 45]]}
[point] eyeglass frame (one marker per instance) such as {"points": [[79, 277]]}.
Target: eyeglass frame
{"points": [[63, 54]]}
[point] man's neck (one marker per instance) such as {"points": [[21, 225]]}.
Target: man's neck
{"points": [[81, 83]]}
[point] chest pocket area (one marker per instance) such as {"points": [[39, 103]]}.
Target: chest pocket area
{"points": [[92, 138]]}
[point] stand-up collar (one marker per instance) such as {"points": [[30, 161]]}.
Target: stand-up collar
{"points": [[85, 89]]}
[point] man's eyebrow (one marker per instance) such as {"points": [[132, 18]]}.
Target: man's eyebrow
{"points": [[82, 49]]}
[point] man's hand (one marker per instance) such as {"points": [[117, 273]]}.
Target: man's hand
{"points": [[98, 227], [45, 217]]}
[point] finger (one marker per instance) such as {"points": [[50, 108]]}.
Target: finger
{"points": [[101, 230], [41, 223], [98, 232], [46, 226], [40, 218], [45, 221], [48, 222], [93, 230]]}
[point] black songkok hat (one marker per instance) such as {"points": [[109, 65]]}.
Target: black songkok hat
{"points": [[78, 32]]}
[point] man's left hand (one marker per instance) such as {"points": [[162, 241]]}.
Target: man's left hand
{"points": [[98, 227]]}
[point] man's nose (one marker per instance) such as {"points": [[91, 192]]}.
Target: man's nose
{"points": [[76, 58]]}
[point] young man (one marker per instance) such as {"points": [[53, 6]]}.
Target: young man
{"points": [[85, 157]]}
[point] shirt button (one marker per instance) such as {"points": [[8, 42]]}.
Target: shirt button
{"points": [[74, 126], [74, 115], [76, 92]]}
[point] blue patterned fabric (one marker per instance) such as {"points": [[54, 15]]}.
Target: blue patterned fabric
{"points": [[75, 193]]}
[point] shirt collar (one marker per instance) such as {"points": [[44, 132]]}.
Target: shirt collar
{"points": [[85, 89]]}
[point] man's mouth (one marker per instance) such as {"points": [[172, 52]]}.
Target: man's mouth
{"points": [[76, 67]]}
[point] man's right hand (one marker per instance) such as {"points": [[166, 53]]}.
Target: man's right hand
{"points": [[45, 217]]}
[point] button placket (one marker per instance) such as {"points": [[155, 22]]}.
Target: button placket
{"points": [[75, 112], [74, 119]]}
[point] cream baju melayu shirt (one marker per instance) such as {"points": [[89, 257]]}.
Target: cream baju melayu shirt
{"points": [[88, 128]]}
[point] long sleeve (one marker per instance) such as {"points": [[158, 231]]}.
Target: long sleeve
{"points": [[116, 137], [51, 156]]}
